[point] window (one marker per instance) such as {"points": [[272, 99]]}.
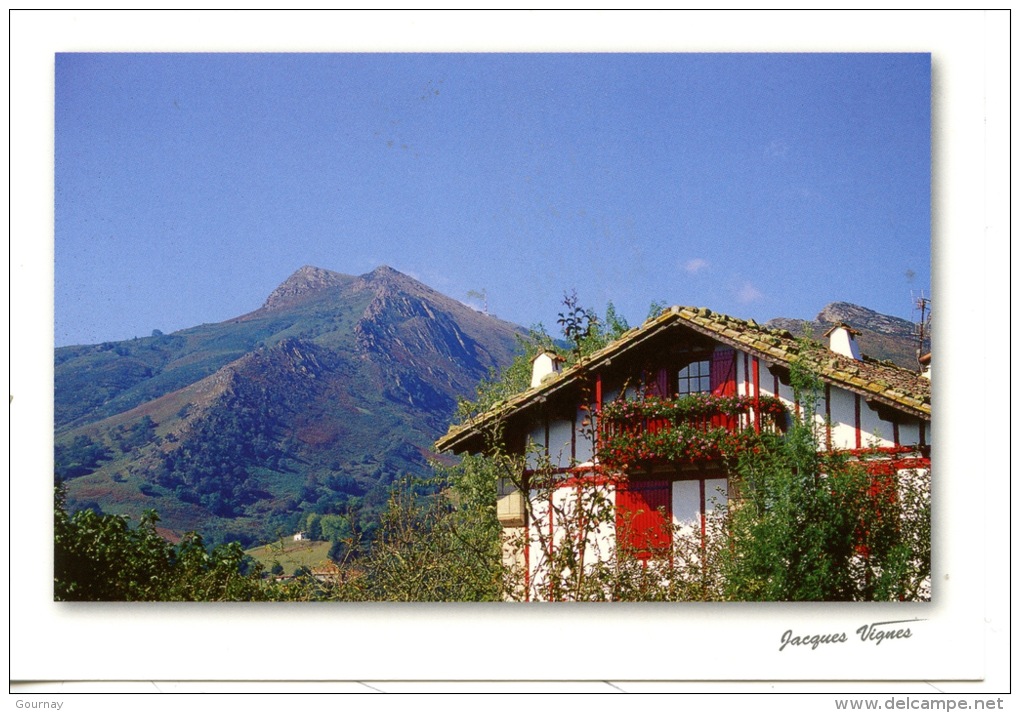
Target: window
{"points": [[695, 378]]}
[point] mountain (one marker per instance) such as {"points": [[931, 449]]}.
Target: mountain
{"points": [[313, 403], [881, 336]]}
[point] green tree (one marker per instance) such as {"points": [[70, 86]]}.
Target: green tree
{"points": [[334, 527], [313, 526], [432, 546], [80, 457], [142, 432], [616, 323], [811, 525], [101, 558]]}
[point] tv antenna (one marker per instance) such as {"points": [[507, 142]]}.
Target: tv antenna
{"points": [[924, 324]]}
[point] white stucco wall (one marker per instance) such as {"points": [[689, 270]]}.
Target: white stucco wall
{"points": [[874, 431], [535, 446], [560, 437], [742, 376], [583, 446], [570, 441], [910, 433], [687, 506], [841, 415], [538, 529]]}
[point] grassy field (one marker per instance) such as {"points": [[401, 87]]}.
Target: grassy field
{"points": [[291, 555]]}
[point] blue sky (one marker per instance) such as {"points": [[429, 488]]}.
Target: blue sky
{"points": [[187, 186]]}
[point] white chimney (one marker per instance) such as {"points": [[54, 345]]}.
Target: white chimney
{"points": [[543, 365], [842, 341], [926, 366]]}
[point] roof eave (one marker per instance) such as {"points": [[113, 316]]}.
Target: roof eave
{"points": [[669, 318]]}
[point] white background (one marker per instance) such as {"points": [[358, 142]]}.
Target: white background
{"points": [[964, 637]]}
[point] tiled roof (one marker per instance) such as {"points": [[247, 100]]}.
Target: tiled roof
{"points": [[882, 382]]}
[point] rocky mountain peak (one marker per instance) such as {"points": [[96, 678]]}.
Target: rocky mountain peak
{"points": [[304, 281], [385, 279], [882, 336], [384, 271], [857, 316]]}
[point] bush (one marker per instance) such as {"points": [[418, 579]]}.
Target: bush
{"points": [[101, 558]]}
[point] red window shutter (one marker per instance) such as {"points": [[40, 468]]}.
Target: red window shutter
{"points": [[724, 373], [662, 384], [643, 519], [657, 383], [724, 383]]}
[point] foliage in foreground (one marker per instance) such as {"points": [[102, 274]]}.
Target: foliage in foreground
{"points": [[101, 558], [814, 525], [821, 527], [431, 547]]}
